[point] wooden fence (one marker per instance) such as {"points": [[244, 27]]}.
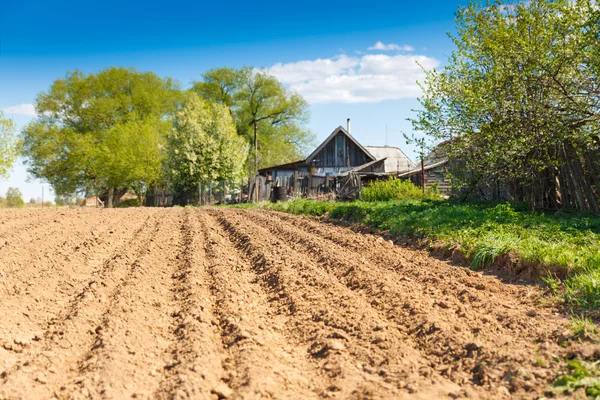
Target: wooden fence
{"points": [[305, 185]]}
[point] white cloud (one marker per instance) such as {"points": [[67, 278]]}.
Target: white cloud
{"points": [[391, 47], [27, 110], [365, 79]]}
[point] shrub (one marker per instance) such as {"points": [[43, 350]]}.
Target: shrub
{"points": [[14, 198], [391, 189], [129, 203]]}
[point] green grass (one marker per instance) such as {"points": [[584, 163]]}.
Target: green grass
{"points": [[568, 243], [391, 189], [584, 328]]}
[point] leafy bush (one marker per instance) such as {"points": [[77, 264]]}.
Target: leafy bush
{"points": [[391, 189], [14, 198], [129, 203], [581, 375]]}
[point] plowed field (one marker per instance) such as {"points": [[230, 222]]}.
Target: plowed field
{"points": [[223, 303]]}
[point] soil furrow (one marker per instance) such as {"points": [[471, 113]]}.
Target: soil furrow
{"points": [[34, 296], [264, 362], [69, 336], [34, 224], [454, 328], [127, 355], [194, 361], [362, 355], [222, 303]]}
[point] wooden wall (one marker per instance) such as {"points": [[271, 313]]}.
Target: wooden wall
{"points": [[340, 152]]}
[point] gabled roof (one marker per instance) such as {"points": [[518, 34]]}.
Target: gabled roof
{"points": [[333, 134], [395, 159]]}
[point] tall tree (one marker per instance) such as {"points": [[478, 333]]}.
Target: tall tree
{"points": [[100, 133], [8, 145], [518, 100], [270, 116], [14, 198], [204, 147]]}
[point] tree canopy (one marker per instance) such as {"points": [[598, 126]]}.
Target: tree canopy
{"points": [[8, 145], [204, 146], [271, 117], [14, 198], [519, 100], [101, 133]]}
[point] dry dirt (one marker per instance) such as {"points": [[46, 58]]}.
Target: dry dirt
{"points": [[223, 303]]}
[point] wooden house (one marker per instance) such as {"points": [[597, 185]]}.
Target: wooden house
{"points": [[341, 154], [435, 169]]}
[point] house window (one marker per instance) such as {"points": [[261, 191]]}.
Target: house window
{"points": [[439, 177]]}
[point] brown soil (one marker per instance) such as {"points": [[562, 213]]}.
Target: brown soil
{"points": [[223, 303]]}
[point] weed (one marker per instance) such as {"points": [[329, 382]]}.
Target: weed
{"points": [[581, 375], [391, 189], [583, 328], [552, 282]]}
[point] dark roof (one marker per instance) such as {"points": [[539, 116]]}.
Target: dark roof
{"points": [[291, 165]]}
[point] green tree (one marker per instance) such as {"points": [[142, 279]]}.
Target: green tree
{"points": [[101, 133], [8, 145], [270, 117], [14, 198], [518, 100], [204, 146]]}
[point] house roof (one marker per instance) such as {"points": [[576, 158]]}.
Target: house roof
{"points": [[395, 159], [333, 134], [291, 165], [363, 167], [417, 169]]}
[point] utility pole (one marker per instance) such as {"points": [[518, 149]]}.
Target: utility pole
{"points": [[386, 135], [255, 164], [423, 173]]}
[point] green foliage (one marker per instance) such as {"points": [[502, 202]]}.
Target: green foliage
{"points": [[484, 232], [14, 198], [129, 203], [583, 290], [391, 189], [583, 328], [204, 146], [8, 145], [100, 131], [62, 200], [490, 248], [552, 282], [518, 98], [581, 375], [266, 113]]}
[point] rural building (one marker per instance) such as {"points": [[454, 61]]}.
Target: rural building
{"points": [[93, 201], [435, 169], [341, 154]]}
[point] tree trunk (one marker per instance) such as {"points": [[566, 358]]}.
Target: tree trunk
{"points": [[109, 199]]}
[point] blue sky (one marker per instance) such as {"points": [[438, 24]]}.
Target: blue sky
{"points": [[350, 60]]}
